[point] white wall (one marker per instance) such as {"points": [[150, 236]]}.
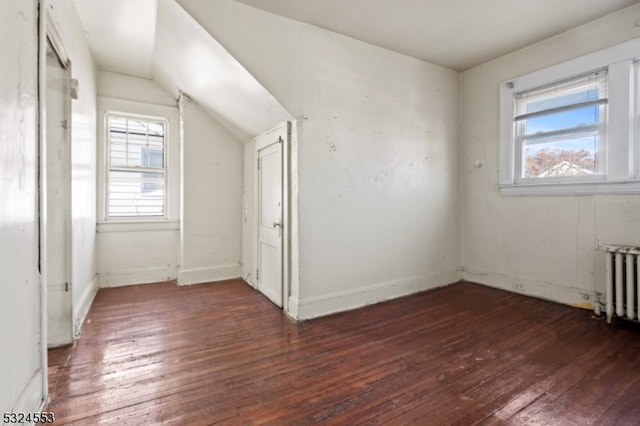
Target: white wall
{"points": [[204, 242], [127, 256], [122, 86], [211, 224], [267, 45], [22, 376], [377, 156], [83, 153], [135, 254], [546, 245], [137, 257], [189, 59], [249, 265]]}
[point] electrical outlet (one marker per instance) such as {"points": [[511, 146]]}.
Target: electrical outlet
{"points": [[518, 286]]}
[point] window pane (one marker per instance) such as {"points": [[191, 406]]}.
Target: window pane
{"points": [[156, 140], [134, 158], [152, 183], [558, 127], [118, 154], [154, 157], [137, 138], [135, 143], [133, 193], [554, 100], [117, 136], [118, 124], [137, 127], [586, 116], [575, 156], [586, 88], [156, 129]]}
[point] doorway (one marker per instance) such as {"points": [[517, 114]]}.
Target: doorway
{"points": [[272, 213], [55, 187]]}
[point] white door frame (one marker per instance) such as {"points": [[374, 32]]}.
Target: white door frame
{"points": [[286, 129], [50, 35]]}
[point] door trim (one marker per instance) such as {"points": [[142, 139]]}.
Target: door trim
{"points": [[50, 36], [286, 211], [53, 35]]}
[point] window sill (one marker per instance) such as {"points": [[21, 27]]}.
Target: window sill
{"points": [[138, 226], [575, 188]]}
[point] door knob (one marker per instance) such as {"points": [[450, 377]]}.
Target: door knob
{"points": [[279, 226]]}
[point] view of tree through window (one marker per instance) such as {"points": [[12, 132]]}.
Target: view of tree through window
{"points": [[136, 167], [560, 127], [573, 127]]}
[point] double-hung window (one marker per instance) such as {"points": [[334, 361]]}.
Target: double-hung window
{"points": [[138, 175], [569, 129], [560, 129], [136, 167]]}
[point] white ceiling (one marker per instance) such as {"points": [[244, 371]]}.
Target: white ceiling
{"points": [[189, 59], [157, 39], [121, 33], [458, 34], [160, 40]]}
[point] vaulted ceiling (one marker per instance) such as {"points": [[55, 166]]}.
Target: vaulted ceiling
{"points": [[458, 34], [158, 39]]}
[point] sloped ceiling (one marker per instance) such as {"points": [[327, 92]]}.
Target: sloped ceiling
{"points": [[158, 39], [190, 59], [458, 34]]}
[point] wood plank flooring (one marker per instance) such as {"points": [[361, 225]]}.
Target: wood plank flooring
{"points": [[464, 355]]}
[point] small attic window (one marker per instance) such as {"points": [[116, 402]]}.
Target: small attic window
{"points": [[136, 167]]}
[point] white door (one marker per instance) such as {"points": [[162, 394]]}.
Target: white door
{"points": [[56, 208], [270, 223]]}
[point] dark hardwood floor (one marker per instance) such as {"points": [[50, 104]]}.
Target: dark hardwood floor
{"points": [[464, 354]]}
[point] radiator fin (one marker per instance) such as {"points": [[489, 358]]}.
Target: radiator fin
{"points": [[622, 296]]}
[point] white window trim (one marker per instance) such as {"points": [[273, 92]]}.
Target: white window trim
{"points": [[164, 170], [622, 162], [171, 220]]}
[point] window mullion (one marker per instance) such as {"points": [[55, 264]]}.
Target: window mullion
{"points": [[634, 152], [126, 151], [560, 109], [551, 135], [146, 146], [137, 169]]}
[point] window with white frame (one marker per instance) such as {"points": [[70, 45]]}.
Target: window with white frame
{"points": [[560, 129], [568, 129], [136, 167]]}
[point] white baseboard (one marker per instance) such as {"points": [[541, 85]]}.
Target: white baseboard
{"points": [[137, 276], [293, 310], [82, 308], [32, 398], [355, 298], [247, 275], [209, 274], [555, 292]]}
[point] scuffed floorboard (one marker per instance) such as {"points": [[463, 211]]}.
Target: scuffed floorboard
{"points": [[222, 354]]}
